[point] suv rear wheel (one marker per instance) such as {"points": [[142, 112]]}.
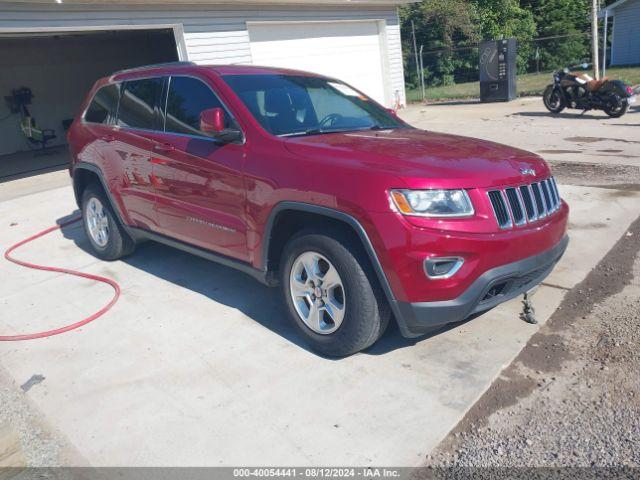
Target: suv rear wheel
{"points": [[108, 239], [332, 297]]}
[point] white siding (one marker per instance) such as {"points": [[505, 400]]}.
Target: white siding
{"points": [[396, 67], [626, 34], [212, 33]]}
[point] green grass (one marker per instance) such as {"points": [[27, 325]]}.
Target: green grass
{"points": [[528, 84]]}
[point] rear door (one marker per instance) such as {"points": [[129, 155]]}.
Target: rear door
{"points": [[134, 145], [199, 181]]}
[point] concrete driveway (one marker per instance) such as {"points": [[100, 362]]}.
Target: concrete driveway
{"points": [[197, 365], [567, 137]]}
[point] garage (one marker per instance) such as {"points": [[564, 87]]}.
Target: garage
{"points": [[351, 51], [52, 52], [45, 78]]}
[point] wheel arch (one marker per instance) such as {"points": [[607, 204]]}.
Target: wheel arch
{"points": [[85, 173], [287, 218]]}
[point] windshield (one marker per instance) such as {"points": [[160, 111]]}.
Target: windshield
{"points": [[288, 105]]}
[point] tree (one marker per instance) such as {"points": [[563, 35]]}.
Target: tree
{"points": [[506, 19], [440, 26], [451, 29], [568, 20]]}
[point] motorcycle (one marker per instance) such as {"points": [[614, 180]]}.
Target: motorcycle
{"points": [[578, 90]]}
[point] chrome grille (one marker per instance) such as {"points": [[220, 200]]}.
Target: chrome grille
{"points": [[500, 209], [552, 193], [517, 209], [525, 203], [556, 193], [529, 206], [537, 196], [547, 197]]}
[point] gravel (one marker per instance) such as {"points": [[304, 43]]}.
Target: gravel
{"points": [[39, 447], [572, 397], [619, 177]]}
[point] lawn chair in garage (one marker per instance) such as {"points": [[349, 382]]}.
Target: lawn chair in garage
{"points": [[35, 135], [17, 103]]}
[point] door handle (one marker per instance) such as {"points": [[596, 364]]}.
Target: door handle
{"points": [[163, 147], [108, 138]]}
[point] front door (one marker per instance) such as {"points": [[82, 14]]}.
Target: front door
{"points": [[198, 180], [132, 142]]}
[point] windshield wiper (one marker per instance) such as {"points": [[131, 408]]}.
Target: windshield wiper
{"points": [[322, 131], [310, 131], [377, 127]]}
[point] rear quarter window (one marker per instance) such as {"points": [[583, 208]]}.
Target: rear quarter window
{"points": [[104, 105]]}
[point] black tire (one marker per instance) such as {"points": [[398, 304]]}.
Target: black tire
{"points": [[118, 243], [553, 99], [617, 106], [367, 311]]}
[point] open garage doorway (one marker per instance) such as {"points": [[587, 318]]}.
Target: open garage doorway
{"points": [[46, 75]]}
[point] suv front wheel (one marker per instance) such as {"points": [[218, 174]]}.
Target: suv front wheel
{"points": [[331, 294]]}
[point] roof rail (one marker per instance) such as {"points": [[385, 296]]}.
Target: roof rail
{"points": [[153, 65]]}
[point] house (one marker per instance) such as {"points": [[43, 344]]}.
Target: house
{"points": [[625, 36], [58, 48]]}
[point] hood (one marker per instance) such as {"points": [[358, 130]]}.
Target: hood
{"points": [[421, 158]]}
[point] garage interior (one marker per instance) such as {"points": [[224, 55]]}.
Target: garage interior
{"points": [[45, 77]]}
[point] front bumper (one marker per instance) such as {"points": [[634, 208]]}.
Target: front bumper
{"points": [[492, 288]]}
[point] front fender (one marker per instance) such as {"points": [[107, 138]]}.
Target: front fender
{"points": [[555, 86]]}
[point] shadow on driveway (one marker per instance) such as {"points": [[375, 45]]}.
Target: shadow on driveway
{"points": [[228, 287], [576, 115]]}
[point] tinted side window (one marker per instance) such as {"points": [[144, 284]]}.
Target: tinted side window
{"points": [[188, 97], [138, 103], [104, 105]]}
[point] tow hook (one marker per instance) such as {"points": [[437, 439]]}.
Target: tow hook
{"points": [[528, 313]]}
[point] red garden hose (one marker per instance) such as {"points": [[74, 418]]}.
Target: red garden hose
{"points": [[97, 278]]}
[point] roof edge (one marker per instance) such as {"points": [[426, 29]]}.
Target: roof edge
{"points": [[611, 8], [217, 2]]}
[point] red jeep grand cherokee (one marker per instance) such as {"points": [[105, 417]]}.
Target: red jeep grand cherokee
{"points": [[303, 181]]}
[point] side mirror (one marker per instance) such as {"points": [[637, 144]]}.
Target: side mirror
{"points": [[212, 123]]}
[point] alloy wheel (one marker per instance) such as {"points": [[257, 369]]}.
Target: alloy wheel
{"points": [[317, 292], [97, 222]]}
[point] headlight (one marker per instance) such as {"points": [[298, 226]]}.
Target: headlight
{"points": [[432, 203]]}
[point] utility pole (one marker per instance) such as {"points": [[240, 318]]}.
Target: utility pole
{"points": [[422, 73], [415, 50], [594, 39], [604, 44]]}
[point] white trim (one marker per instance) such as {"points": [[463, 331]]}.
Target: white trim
{"points": [[177, 28], [298, 22], [386, 67], [181, 44], [313, 3], [611, 8]]}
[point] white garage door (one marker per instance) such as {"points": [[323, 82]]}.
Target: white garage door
{"points": [[349, 51]]}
